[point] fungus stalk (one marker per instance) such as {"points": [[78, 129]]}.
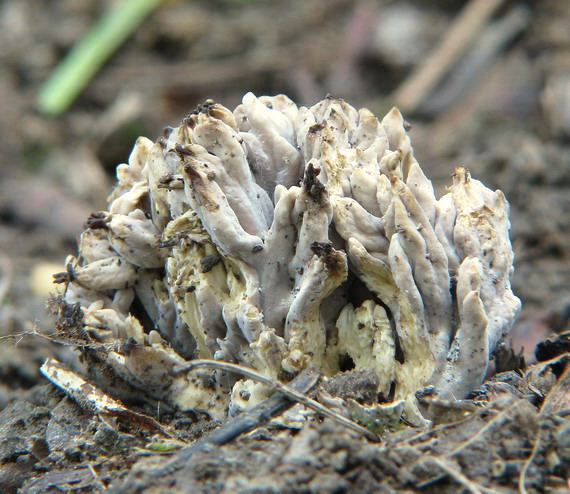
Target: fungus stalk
{"points": [[281, 237]]}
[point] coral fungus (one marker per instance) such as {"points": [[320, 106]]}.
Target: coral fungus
{"points": [[281, 237]]}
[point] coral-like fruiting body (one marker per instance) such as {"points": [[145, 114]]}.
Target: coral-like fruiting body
{"points": [[280, 237]]}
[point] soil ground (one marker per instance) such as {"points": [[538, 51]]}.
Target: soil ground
{"points": [[502, 110]]}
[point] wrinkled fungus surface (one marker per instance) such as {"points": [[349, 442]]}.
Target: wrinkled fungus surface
{"points": [[281, 237]]}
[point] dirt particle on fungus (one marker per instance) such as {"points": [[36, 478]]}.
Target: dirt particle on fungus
{"points": [[314, 187], [209, 261], [315, 129]]}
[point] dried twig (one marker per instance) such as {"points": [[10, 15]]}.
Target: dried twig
{"points": [[489, 45], [496, 420], [96, 476], [557, 399], [245, 422], [284, 389], [7, 274], [457, 475], [409, 96], [360, 25], [527, 464], [410, 441]]}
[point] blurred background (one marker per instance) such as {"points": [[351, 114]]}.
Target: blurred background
{"points": [[485, 84]]}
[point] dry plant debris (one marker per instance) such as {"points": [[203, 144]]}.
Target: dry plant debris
{"points": [[504, 444]]}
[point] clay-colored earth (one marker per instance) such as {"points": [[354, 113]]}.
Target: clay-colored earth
{"points": [[503, 111]]}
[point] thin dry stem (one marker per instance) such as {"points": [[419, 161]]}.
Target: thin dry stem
{"points": [[458, 476], [282, 388], [527, 464], [496, 420], [463, 31]]}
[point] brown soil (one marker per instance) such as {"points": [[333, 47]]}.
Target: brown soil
{"points": [[502, 123]]}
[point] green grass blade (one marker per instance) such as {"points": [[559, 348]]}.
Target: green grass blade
{"points": [[89, 54]]}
